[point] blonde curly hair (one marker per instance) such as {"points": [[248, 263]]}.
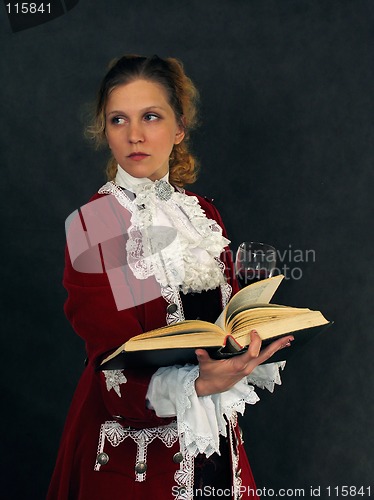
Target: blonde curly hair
{"points": [[182, 96]]}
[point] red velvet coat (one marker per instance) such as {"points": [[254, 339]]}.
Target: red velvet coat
{"points": [[78, 475]]}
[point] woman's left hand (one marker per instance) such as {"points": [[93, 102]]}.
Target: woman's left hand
{"points": [[220, 375]]}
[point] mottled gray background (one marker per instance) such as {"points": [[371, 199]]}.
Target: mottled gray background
{"points": [[286, 148]]}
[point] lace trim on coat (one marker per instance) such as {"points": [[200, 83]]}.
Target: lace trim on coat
{"points": [[172, 296], [226, 291], [184, 477], [113, 380], [115, 434], [234, 443]]}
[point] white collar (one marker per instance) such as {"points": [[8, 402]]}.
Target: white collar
{"points": [[127, 181]]}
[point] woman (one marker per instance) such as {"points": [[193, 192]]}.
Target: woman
{"points": [[144, 253]]}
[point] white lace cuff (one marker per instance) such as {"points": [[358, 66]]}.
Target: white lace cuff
{"points": [[200, 420], [267, 375]]}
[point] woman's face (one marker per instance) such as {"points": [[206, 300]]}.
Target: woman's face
{"points": [[141, 128]]}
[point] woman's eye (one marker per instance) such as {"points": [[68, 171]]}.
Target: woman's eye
{"points": [[117, 120], [150, 117]]}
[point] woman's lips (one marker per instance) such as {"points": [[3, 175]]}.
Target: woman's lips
{"points": [[138, 156]]}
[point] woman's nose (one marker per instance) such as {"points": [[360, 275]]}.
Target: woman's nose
{"points": [[135, 133]]}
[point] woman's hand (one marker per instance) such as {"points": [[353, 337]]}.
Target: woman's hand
{"points": [[220, 375]]}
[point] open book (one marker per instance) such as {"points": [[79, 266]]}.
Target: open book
{"points": [[249, 309]]}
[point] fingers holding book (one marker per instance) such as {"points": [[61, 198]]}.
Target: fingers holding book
{"points": [[274, 347], [220, 375]]}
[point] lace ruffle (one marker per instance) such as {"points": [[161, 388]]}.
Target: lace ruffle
{"points": [[267, 375], [201, 420], [211, 411], [172, 239]]}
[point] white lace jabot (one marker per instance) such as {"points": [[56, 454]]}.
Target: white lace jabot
{"points": [[170, 237]]}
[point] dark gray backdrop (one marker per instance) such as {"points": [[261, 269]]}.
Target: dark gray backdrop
{"points": [[286, 147]]}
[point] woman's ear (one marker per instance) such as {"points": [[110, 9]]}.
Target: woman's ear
{"points": [[179, 136]]}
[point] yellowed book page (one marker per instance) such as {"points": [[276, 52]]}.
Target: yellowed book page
{"points": [[188, 326], [200, 339], [246, 321], [269, 329], [265, 312], [260, 310], [257, 293]]}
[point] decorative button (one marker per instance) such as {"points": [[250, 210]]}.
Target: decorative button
{"points": [[102, 458], [178, 457], [171, 308], [140, 467]]}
